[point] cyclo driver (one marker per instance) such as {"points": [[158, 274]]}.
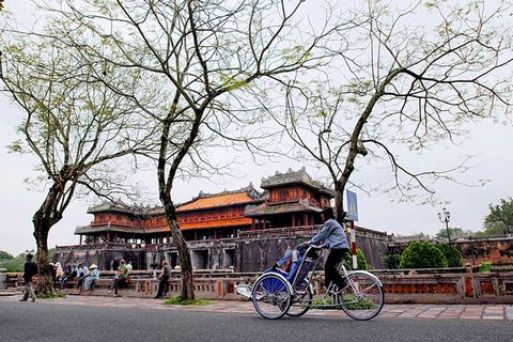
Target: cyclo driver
{"points": [[335, 240]]}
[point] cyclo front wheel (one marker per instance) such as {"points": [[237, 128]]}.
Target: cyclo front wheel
{"points": [[301, 301], [363, 297], [271, 296]]}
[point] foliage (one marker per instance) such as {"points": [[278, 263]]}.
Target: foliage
{"points": [[486, 266], [202, 66], [13, 264], [392, 261], [455, 232], [500, 219], [72, 125], [422, 254], [434, 75], [452, 254], [51, 295], [360, 258], [178, 300], [5, 256]]}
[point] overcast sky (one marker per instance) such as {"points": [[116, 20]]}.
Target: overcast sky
{"points": [[488, 142]]}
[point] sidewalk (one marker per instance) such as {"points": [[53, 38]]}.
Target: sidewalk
{"points": [[409, 311]]}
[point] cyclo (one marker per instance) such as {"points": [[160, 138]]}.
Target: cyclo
{"points": [[277, 292]]}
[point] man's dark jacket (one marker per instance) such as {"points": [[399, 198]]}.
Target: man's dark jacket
{"points": [[30, 271]]}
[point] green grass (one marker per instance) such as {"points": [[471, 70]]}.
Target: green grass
{"points": [[328, 303], [53, 295], [177, 300]]}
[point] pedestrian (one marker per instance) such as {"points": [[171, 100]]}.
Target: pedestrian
{"points": [[82, 272], [120, 278], [70, 272], [29, 272], [59, 272], [334, 238], [94, 274], [165, 274], [129, 267]]}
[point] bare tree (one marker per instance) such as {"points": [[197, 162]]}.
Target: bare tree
{"points": [[407, 77], [195, 60], [73, 125]]}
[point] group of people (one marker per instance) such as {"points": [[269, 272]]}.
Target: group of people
{"points": [[85, 276]]}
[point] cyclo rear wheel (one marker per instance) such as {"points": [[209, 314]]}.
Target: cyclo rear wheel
{"points": [[363, 298], [271, 296]]}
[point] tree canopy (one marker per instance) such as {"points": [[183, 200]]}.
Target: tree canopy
{"points": [[408, 77], [500, 219]]}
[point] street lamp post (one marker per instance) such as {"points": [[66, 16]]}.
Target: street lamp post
{"points": [[445, 216]]}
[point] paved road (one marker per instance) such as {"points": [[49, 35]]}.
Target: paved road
{"points": [[47, 321]]}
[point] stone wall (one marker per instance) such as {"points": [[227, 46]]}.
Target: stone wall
{"points": [[496, 250], [252, 254]]}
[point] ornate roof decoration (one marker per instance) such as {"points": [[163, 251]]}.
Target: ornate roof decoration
{"points": [[295, 177]]}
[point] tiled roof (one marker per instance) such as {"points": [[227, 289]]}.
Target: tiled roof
{"points": [[211, 224], [247, 195], [285, 208], [221, 200], [223, 223], [295, 177], [108, 228]]}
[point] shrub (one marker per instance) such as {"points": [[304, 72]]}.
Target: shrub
{"points": [[486, 266], [422, 254], [392, 261], [452, 254], [360, 258]]}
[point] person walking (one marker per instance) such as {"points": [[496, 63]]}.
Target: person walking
{"points": [[334, 238], [165, 274], [29, 271]]}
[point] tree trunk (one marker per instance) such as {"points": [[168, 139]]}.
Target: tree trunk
{"points": [[183, 250], [339, 202], [43, 220], [44, 278]]}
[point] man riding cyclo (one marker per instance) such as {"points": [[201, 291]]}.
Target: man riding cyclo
{"points": [[334, 238]]}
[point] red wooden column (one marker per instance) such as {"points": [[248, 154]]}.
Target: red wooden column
{"points": [[293, 220]]}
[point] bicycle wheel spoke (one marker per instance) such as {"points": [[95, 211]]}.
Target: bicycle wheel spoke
{"points": [[271, 296], [364, 298]]}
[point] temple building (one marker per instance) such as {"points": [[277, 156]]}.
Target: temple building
{"points": [[294, 199], [290, 199], [246, 229]]}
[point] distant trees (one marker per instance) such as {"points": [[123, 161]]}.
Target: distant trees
{"points": [[454, 232], [500, 219], [12, 263]]}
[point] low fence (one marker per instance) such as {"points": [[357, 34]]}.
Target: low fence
{"points": [[419, 286]]}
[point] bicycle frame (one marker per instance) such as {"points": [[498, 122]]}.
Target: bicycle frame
{"points": [[335, 300]]}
